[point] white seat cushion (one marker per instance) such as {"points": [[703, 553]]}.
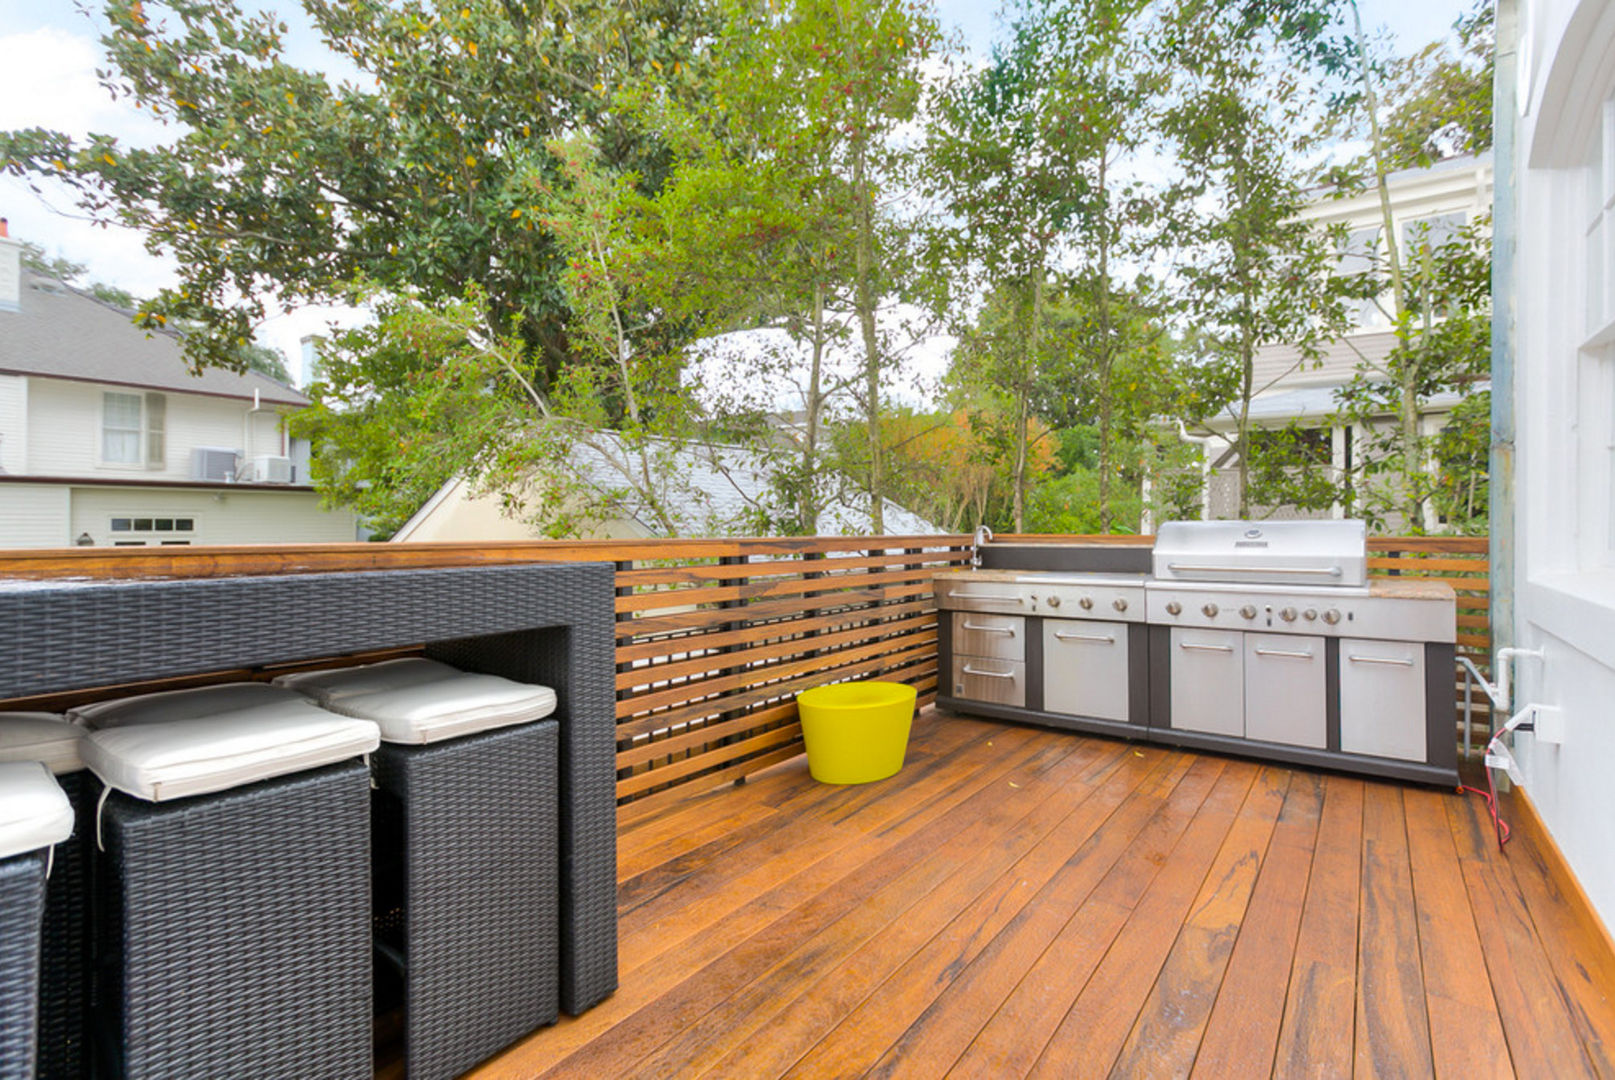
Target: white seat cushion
{"points": [[419, 701], [191, 742], [34, 811], [43, 737]]}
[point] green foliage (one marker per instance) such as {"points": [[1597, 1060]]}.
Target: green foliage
{"points": [[418, 178]]}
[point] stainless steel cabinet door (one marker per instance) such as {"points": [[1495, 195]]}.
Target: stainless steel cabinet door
{"points": [[1208, 681], [997, 682], [1000, 636], [1085, 670], [1285, 690], [1382, 699]]}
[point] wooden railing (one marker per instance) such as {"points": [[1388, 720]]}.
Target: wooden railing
{"points": [[716, 637]]}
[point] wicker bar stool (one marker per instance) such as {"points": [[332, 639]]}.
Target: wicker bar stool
{"points": [[232, 881], [466, 840], [34, 816], [64, 970]]}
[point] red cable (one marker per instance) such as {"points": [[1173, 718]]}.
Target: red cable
{"points": [[1499, 826]]}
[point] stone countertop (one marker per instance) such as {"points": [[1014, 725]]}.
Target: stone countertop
{"points": [[1401, 588]]}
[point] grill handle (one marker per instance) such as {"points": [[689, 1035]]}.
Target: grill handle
{"points": [[968, 670], [1205, 648], [1284, 652], [1194, 568], [1108, 639], [1394, 661], [1010, 630]]}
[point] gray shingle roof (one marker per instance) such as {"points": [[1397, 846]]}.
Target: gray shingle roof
{"points": [[63, 333]]}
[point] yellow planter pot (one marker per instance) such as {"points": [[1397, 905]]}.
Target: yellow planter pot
{"points": [[856, 732]]}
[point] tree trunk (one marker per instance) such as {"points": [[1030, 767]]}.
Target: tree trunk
{"points": [[1023, 398], [808, 499], [865, 302], [1107, 347]]}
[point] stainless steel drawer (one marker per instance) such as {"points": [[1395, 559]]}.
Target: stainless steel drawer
{"points": [[1085, 670], [956, 593], [1208, 681], [997, 682], [1000, 636], [1382, 699]]}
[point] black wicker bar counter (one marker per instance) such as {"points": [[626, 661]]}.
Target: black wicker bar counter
{"points": [[541, 623]]}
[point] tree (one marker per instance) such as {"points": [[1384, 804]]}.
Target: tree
{"points": [[1437, 284], [1253, 273], [279, 184]]}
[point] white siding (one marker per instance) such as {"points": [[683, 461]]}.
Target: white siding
{"points": [[13, 424], [1564, 389], [225, 517], [34, 515], [65, 421], [1336, 368]]}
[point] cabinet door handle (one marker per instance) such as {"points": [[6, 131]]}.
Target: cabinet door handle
{"points": [[989, 674], [1108, 639], [1010, 630], [1285, 652], [1205, 648], [1380, 660], [1007, 598]]}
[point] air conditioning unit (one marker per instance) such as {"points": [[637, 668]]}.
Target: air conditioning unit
{"points": [[268, 469], [213, 463]]}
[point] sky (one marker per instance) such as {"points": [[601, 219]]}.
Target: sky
{"points": [[49, 52]]}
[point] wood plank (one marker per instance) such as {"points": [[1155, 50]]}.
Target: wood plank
{"points": [[991, 878], [1318, 1033], [1242, 1033], [701, 574], [693, 668], [645, 627], [828, 927], [663, 599], [1464, 544], [1393, 1027], [1410, 564], [1010, 1042], [1466, 1033], [1164, 1038], [820, 1008], [1093, 1032], [800, 624]]}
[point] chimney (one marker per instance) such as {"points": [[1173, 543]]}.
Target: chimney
{"points": [[10, 270]]}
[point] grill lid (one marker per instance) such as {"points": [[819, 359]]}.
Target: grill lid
{"points": [[1329, 553]]}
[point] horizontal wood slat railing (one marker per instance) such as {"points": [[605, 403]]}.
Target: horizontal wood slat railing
{"points": [[716, 637]]}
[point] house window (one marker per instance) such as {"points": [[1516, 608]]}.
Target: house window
{"points": [[140, 531], [134, 429], [1359, 255]]}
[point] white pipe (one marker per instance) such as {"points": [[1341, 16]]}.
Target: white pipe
{"points": [[1500, 693]]}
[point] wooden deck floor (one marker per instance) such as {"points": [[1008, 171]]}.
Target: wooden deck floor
{"points": [[1028, 903]]}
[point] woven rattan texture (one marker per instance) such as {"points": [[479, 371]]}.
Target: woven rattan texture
{"points": [[65, 968], [66, 636], [235, 936], [480, 898], [22, 903]]}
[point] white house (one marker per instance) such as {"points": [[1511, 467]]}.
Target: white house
{"points": [[1430, 202], [709, 490], [106, 438], [1554, 562]]}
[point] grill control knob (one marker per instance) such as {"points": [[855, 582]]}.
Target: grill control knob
{"points": [[1119, 604], [1249, 611], [1288, 614], [1174, 608], [1331, 616], [1054, 601], [1087, 603], [1210, 610], [1309, 614]]}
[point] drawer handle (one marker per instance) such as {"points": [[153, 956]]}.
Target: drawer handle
{"points": [[1010, 630], [990, 674], [1108, 639], [1010, 598], [1205, 648], [1286, 652], [1380, 660]]}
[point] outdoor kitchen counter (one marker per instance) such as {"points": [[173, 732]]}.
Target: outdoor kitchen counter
{"points": [[1411, 589]]}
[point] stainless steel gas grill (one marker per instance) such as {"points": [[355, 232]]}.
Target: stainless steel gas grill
{"points": [[1260, 638]]}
